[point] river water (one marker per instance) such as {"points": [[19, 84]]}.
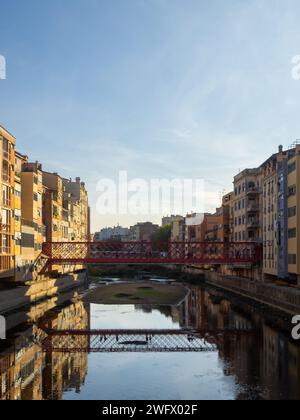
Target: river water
{"points": [[261, 364]]}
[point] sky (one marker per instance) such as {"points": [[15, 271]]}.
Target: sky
{"points": [[159, 88]]}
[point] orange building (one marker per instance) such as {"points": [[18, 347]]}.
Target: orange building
{"points": [[7, 224]]}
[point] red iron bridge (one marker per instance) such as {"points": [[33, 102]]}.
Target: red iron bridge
{"points": [[136, 341], [143, 252]]}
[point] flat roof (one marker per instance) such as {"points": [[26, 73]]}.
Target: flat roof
{"points": [[7, 132]]}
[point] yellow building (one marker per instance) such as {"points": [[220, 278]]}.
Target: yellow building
{"points": [[76, 201], [53, 206], [19, 161], [66, 370], [32, 203], [7, 225], [293, 197]]}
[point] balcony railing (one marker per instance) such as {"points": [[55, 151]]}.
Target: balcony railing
{"points": [[253, 224], [7, 155], [253, 190], [5, 250], [253, 208], [6, 178], [5, 228], [6, 203]]}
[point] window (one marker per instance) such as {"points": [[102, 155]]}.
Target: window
{"points": [[27, 240], [292, 259], [292, 190], [6, 196], [17, 215], [35, 197], [292, 167], [292, 211], [292, 233], [55, 211]]}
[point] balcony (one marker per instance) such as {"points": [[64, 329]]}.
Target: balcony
{"points": [[5, 250], [5, 228], [253, 224], [6, 178], [253, 208], [253, 191], [7, 155], [6, 202]]}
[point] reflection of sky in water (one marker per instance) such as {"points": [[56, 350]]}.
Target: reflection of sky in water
{"points": [[128, 317], [150, 376]]}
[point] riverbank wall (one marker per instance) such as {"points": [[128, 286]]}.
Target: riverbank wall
{"points": [[23, 296], [284, 298]]}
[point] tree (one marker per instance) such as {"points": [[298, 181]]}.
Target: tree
{"points": [[163, 234]]}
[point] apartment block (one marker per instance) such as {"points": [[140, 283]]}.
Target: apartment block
{"points": [[7, 225], [208, 230], [53, 206], [19, 161], [115, 233], [33, 229], [247, 206], [169, 220], [293, 206], [142, 231], [228, 203], [77, 197], [275, 215], [281, 217], [217, 226], [178, 230]]}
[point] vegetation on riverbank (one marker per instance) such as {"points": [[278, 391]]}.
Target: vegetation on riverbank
{"points": [[146, 293]]}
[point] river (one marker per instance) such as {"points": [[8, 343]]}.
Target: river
{"points": [[261, 364]]}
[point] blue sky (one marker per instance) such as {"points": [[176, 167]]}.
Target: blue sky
{"points": [[161, 88]]}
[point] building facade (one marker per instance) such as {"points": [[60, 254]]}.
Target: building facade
{"points": [[142, 231], [247, 206], [7, 225]]}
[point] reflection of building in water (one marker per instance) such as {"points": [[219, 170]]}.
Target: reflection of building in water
{"points": [[281, 365], [26, 373], [21, 366], [264, 359], [66, 371]]}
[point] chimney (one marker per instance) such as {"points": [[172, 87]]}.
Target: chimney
{"points": [[280, 149]]}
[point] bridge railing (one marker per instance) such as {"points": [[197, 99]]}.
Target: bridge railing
{"points": [[153, 252]]}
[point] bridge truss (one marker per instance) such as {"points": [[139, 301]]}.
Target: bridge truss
{"points": [[143, 252], [134, 341]]}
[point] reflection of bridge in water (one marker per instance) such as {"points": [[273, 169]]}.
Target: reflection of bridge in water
{"points": [[135, 341]]}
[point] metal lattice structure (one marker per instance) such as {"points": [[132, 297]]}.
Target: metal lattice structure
{"points": [[142, 252], [136, 341], [130, 341]]}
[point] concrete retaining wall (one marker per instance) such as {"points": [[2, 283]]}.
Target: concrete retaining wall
{"points": [[280, 297]]}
